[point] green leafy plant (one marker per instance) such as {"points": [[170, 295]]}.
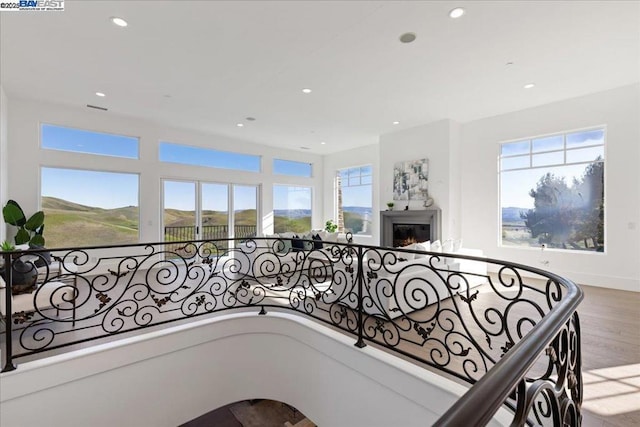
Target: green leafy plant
{"points": [[7, 246], [330, 226], [29, 230], [390, 205]]}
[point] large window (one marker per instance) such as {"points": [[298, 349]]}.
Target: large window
{"points": [[84, 141], [354, 192], [552, 191], [87, 208], [291, 208], [197, 156]]}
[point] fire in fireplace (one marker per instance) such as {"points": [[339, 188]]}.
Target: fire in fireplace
{"points": [[406, 234]]}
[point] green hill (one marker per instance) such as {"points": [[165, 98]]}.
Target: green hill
{"points": [[70, 224], [61, 204]]}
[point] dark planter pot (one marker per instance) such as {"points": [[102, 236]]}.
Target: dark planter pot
{"points": [[44, 258], [23, 277]]}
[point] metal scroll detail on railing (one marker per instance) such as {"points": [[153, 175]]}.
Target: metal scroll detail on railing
{"points": [[442, 310]]}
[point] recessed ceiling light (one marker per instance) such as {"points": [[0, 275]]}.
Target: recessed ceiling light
{"points": [[508, 64], [100, 94], [456, 13], [407, 37], [118, 21], [251, 119], [304, 148], [529, 85], [322, 143], [239, 125], [306, 90], [396, 123]]}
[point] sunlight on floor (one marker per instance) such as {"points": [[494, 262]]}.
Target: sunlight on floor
{"points": [[612, 391]]}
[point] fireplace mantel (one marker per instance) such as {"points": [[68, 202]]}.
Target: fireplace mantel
{"points": [[422, 216]]}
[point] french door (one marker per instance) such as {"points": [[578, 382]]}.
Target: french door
{"points": [[197, 210]]}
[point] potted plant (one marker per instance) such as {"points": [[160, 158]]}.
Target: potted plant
{"points": [[29, 230], [390, 206], [330, 226]]}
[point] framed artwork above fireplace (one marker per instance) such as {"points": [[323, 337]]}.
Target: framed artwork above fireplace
{"points": [[411, 180]]}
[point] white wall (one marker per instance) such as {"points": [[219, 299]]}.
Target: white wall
{"points": [[25, 117], [4, 164], [439, 142], [368, 155], [618, 110], [169, 377]]}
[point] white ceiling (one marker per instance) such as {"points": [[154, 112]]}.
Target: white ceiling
{"points": [[208, 65]]}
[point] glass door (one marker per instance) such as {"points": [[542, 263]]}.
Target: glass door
{"points": [[179, 214], [245, 212], [194, 210], [214, 202]]}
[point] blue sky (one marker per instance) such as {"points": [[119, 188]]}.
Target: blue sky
{"points": [[182, 195], [291, 197], [357, 196], [199, 156], [83, 141], [100, 189]]}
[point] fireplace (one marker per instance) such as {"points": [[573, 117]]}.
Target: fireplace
{"points": [[406, 234], [401, 228]]}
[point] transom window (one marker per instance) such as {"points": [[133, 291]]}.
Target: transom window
{"points": [[552, 191], [62, 138], [199, 156], [293, 168]]}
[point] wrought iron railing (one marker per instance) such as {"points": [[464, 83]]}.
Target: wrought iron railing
{"points": [[209, 232], [513, 335]]}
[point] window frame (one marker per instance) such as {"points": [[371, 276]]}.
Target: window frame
{"points": [[139, 193], [335, 193], [40, 140], [530, 153]]}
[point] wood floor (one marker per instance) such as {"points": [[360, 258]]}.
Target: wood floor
{"points": [[610, 323]]}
